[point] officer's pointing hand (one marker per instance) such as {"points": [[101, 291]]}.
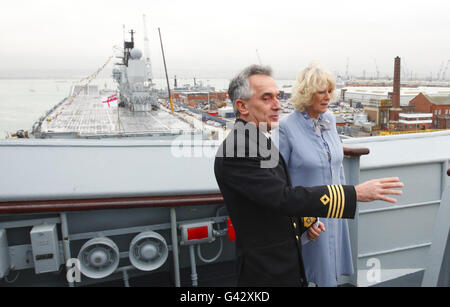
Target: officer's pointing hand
{"points": [[377, 189]]}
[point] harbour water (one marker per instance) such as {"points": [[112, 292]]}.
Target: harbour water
{"points": [[23, 101]]}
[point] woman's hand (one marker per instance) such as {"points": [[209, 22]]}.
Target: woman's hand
{"points": [[315, 230]]}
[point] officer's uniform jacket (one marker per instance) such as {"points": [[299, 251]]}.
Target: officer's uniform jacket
{"points": [[265, 209]]}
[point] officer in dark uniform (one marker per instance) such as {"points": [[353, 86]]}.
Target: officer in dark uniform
{"points": [[263, 206]]}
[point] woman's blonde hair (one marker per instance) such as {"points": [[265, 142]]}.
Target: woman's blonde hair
{"points": [[311, 80]]}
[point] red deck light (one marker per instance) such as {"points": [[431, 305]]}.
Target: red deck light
{"points": [[197, 233]]}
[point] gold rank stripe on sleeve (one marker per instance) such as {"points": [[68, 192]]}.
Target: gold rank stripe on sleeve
{"points": [[335, 200], [330, 202], [341, 189]]}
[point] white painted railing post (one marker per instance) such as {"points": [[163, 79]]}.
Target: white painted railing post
{"points": [[352, 170]]}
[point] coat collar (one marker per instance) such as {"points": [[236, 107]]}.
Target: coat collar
{"points": [[259, 135], [317, 125]]}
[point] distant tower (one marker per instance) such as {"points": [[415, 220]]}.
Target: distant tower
{"points": [[396, 96], [395, 110], [347, 77]]}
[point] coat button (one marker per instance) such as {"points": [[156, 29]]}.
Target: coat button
{"points": [[296, 237], [295, 225]]}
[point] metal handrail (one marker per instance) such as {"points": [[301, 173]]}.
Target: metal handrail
{"points": [[108, 203], [64, 205]]}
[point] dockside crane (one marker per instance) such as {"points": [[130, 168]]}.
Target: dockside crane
{"points": [[347, 77], [147, 51], [438, 77], [259, 58], [404, 70], [444, 73], [377, 70]]}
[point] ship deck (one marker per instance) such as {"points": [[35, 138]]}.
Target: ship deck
{"points": [[88, 116]]}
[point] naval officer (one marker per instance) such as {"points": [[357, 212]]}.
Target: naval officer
{"points": [[263, 206]]}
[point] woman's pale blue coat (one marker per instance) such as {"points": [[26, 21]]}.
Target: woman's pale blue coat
{"points": [[317, 160]]}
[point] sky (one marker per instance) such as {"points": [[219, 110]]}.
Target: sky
{"points": [[216, 39]]}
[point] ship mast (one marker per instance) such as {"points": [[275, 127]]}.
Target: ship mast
{"points": [[127, 47]]}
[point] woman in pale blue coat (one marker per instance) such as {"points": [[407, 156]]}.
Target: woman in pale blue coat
{"points": [[311, 147]]}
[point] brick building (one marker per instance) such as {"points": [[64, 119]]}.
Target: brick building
{"points": [[414, 121], [194, 98], [443, 122], [439, 106]]}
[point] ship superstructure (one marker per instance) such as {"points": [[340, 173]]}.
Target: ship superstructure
{"points": [[133, 77]]}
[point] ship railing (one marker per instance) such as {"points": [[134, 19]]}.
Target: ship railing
{"points": [[76, 212], [75, 180], [437, 272], [36, 128], [395, 244]]}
